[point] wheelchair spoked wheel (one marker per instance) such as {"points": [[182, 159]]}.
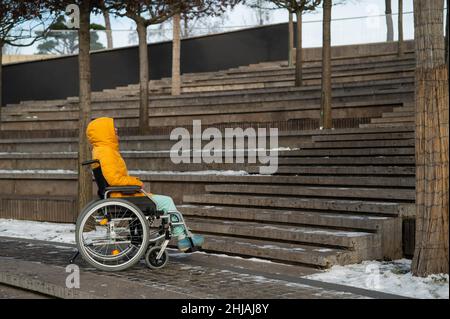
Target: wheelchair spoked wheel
{"points": [[150, 258], [112, 234]]}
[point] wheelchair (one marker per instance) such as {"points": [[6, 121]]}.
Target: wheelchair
{"points": [[113, 234]]}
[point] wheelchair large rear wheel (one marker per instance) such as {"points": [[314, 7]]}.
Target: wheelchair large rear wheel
{"points": [[112, 234]]}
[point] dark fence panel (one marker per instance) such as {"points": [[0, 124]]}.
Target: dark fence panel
{"points": [[58, 78]]}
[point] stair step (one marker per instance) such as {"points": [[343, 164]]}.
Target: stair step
{"points": [[129, 109], [364, 61], [395, 89], [368, 207], [350, 160], [309, 255], [362, 131], [360, 144], [340, 170], [366, 181], [202, 179], [349, 152], [337, 220], [282, 77], [386, 125], [364, 137], [410, 109], [393, 119], [339, 192], [307, 96], [398, 114], [353, 240]]}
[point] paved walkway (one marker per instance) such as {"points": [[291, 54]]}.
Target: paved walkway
{"points": [[8, 292], [41, 266]]}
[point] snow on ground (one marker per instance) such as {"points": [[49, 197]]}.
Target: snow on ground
{"points": [[62, 233], [390, 277]]}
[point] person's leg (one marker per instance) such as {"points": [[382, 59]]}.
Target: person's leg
{"points": [[166, 204]]}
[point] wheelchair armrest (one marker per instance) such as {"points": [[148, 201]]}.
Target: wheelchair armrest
{"points": [[127, 190], [90, 162]]}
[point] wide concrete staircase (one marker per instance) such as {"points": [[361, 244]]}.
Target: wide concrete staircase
{"points": [[258, 95], [340, 199], [339, 196]]}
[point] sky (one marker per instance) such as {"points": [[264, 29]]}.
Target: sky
{"points": [[353, 21], [356, 30]]}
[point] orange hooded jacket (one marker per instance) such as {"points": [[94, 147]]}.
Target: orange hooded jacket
{"points": [[105, 148]]}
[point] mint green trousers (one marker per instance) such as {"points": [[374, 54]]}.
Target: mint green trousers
{"points": [[166, 204]]}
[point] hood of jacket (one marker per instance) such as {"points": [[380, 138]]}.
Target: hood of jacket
{"points": [[101, 132]]}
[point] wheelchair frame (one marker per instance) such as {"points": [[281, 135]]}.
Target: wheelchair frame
{"points": [[159, 242]]}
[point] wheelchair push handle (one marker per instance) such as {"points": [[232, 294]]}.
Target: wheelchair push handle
{"points": [[90, 162]]}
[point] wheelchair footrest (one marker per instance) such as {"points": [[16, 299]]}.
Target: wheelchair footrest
{"points": [[192, 250]]}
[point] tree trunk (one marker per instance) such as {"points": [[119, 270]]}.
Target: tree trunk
{"points": [[431, 251], [1, 68], [325, 112], [260, 12], [389, 23], [109, 39], [186, 27], [176, 44], [291, 40], [447, 29], [298, 55], [143, 78], [401, 49], [84, 69]]}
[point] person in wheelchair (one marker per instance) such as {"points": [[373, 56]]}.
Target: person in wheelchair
{"points": [[103, 137]]}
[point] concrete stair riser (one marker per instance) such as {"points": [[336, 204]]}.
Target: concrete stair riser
{"points": [[369, 207], [133, 163], [130, 109], [309, 108], [309, 255], [393, 119], [398, 114], [295, 139], [265, 215], [343, 170], [155, 163], [348, 161], [259, 75], [308, 191], [179, 185], [275, 94], [364, 137], [387, 125], [302, 235], [264, 82], [388, 228], [350, 152], [385, 94]]}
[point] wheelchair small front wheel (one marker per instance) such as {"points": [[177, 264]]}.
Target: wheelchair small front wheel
{"points": [[152, 262]]}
